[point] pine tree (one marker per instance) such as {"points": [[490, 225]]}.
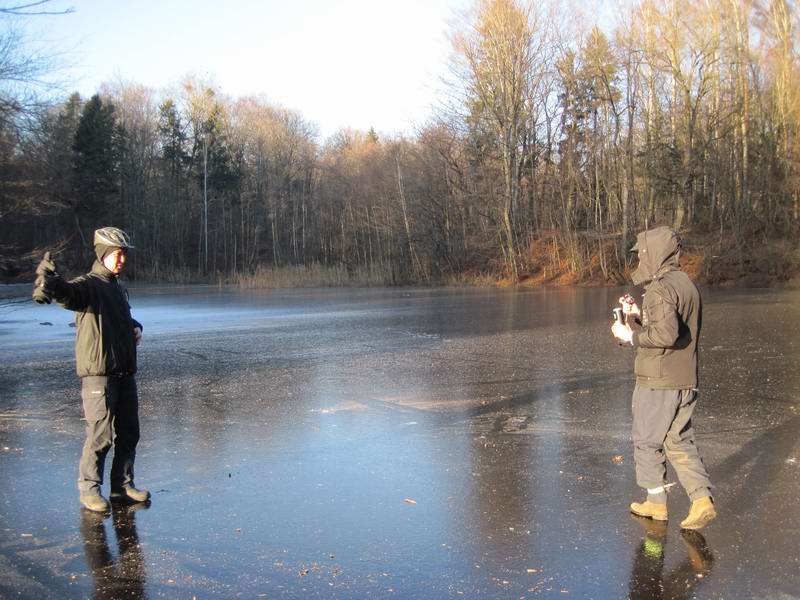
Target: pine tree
{"points": [[95, 167], [60, 154]]}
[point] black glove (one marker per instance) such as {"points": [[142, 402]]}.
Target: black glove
{"points": [[47, 267], [40, 295], [46, 273]]}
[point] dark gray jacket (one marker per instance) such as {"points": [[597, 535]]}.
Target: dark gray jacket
{"points": [[105, 342], [667, 337]]}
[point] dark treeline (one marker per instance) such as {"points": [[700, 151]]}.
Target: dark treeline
{"points": [[552, 149]]}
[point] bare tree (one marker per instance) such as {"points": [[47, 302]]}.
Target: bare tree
{"points": [[497, 56]]}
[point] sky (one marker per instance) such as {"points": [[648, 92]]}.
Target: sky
{"points": [[339, 63]]}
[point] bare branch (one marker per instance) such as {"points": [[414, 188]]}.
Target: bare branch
{"points": [[23, 10]]}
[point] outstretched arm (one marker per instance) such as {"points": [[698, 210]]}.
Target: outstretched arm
{"points": [[49, 286]]}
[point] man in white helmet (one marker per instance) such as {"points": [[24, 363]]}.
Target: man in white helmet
{"points": [[105, 358]]}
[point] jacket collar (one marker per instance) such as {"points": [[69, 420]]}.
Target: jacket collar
{"points": [[99, 269]]}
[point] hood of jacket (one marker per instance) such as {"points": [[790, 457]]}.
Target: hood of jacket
{"points": [[100, 270], [659, 251]]}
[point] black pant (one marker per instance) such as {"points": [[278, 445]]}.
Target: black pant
{"points": [[111, 408]]}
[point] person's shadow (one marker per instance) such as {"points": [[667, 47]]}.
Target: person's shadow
{"points": [[123, 577], [648, 581]]}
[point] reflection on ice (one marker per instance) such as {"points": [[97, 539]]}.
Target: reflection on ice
{"points": [[283, 433]]}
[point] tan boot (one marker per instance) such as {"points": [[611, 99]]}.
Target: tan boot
{"points": [[651, 510], [701, 514]]}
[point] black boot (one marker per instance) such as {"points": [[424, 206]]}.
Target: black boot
{"points": [[95, 502], [129, 493]]}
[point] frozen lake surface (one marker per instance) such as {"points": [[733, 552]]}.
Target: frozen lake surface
{"points": [[401, 443]]}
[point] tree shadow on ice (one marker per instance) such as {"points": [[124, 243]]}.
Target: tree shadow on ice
{"points": [[547, 392], [758, 464]]}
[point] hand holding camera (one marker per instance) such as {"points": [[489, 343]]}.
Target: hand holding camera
{"points": [[620, 329], [629, 306]]}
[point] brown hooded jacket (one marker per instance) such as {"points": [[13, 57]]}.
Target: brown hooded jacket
{"points": [[667, 341]]}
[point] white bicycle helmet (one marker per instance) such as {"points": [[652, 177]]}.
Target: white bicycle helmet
{"points": [[112, 236]]}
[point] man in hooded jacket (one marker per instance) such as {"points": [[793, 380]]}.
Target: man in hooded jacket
{"points": [[665, 333], [105, 359]]}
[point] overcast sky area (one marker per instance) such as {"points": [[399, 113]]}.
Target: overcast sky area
{"points": [[340, 63]]}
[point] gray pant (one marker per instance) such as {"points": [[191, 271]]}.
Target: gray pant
{"points": [[111, 408], [662, 429]]}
